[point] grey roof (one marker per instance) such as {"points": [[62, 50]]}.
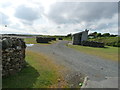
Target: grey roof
{"points": [[80, 32]]}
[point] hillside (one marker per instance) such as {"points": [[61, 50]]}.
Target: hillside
{"points": [[110, 41]]}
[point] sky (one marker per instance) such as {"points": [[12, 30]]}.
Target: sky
{"points": [[53, 17]]}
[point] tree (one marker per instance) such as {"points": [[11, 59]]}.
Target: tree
{"points": [[93, 34], [113, 35], [69, 35], [98, 35], [106, 35]]}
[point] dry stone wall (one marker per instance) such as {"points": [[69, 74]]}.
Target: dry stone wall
{"points": [[44, 39], [92, 44], [60, 38], [13, 55]]}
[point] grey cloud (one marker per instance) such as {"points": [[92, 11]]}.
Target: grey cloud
{"points": [[103, 26], [81, 11], [25, 22], [4, 19], [27, 13]]}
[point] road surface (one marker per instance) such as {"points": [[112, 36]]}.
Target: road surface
{"points": [[102, 73]]}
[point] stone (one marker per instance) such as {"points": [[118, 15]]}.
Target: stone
{"points": [[44, 39], [5, 44], [60, 38], [12, 71], [13, 55], [92, 44]]}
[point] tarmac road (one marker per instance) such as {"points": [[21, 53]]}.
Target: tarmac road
{"points": [[101, 73]]}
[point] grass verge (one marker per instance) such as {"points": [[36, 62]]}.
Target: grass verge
{"points": [[41, 72], [110, 53]]}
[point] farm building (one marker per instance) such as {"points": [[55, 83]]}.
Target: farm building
{"points": [[77, 38]]}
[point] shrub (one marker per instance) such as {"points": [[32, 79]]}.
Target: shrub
{"points": [[110, 41]]}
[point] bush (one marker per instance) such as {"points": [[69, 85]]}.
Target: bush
{"points": [[110, 41], [116, 44]]}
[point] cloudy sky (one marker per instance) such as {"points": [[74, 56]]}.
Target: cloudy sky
{"points": [[51, 17]]}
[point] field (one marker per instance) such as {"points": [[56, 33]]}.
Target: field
{"points": [[64, 37], [37, 74], [110, 41], [33, 41], [110, 53]]}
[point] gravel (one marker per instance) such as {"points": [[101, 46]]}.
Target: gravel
{"points": [[95, 68]]}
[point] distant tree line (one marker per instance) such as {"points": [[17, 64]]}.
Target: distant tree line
{"points": [[69, 35], [106, 38], [95, 35]]}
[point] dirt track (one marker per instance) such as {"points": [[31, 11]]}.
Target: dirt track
{"points": [[102, 73]]}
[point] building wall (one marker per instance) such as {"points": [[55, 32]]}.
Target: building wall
{"points": [[79, 37], [84, 36], [76, 39]]}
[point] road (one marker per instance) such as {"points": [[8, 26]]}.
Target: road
{"points": [[102, 73]]}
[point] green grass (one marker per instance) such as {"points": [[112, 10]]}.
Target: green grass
{"points": [[106, 39], [41, 72], [67, 38], [30, 41], [110, 53], [111, 41]]}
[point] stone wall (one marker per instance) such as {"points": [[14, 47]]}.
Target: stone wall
{"points": [[76, 39], [44, 39], [60, 38], [92, 44], [13, 55]]}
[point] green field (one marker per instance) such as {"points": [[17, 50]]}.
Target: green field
{"points": [[110, 53], [110, 41], [33, 40], [37, 74], [30, 41]]}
